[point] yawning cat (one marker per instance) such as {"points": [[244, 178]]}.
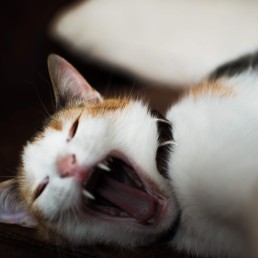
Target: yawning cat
{"points": [[114, 171]]}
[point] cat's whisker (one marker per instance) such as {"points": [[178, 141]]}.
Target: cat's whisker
{"points": [[40, 100], [132, 89], [88, 195], [167, 143], [46, 81], [75, 212], [162, 121]]}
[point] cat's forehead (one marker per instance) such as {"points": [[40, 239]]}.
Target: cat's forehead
{"points": [[108, 106]]}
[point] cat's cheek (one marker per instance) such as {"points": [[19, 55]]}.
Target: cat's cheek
{"points": [[59, 196]]}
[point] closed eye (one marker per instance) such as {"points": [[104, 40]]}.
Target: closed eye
{"points": [[73, 130], [41, 187]]}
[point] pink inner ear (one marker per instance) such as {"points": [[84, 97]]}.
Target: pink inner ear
{"points": [[12, 210], [69, 83], [19, 218], [69, 72]]}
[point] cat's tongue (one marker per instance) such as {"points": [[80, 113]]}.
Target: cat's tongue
{"points": [[137, 203]]}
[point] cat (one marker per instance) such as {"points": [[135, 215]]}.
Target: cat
{"points": [[114, 171]]}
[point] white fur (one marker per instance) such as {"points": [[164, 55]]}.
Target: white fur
{"points": [[214, 166]]}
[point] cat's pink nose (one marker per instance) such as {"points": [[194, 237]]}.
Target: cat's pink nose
{"points": [[68, 167]]}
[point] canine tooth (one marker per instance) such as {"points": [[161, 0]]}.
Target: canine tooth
{"points": [[104, 167], [88, 195]]}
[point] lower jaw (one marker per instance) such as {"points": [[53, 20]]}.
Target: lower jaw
{"points": [[152, 222]]}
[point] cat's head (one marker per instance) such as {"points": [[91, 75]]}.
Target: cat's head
{"points": [[94, 173]]}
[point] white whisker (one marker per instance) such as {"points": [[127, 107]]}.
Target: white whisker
{"points": [[75, 216], [167, 143], [162, 121]]}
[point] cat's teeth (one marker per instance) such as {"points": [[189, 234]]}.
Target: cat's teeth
{"points": [[104, 167], [88, 195]]}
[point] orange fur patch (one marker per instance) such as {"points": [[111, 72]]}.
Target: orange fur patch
{"points": [[72, 113], [56, 124], [214, 88], [98, 109], [109, 105]]}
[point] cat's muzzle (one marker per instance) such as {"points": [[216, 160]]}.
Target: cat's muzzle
{"points": [[115, 191]]}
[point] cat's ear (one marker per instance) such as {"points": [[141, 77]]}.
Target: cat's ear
{"points": [[69, 85], [12, 210]]}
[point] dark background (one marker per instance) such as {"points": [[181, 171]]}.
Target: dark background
{"points": [[27, 99]]}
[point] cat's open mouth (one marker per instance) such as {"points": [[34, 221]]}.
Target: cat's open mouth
{"points": [[115, 191]]}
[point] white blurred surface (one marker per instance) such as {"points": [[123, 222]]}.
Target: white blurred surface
{"points": [[174, 42]]}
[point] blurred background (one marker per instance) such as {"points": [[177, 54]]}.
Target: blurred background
{"points": [[149, 48]]}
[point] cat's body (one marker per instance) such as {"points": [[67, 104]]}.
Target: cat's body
{"points": [[112, 171], [214, 165]]}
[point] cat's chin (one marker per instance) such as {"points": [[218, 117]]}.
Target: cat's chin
{"points": [[117, 191]]}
